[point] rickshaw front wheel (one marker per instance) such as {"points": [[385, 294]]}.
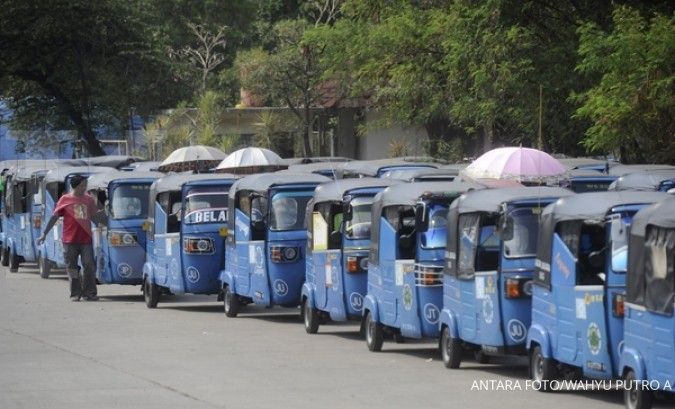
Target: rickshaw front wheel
{"points": [[4, 256], [151, 293], [374, 333], [44, 267], [230, 303], [451, 349], [13, 261], [310, 317], [635, 396], [542, 369]]}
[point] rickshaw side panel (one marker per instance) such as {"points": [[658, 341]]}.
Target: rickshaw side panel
{"points": [[284, 280], [385, 282]]}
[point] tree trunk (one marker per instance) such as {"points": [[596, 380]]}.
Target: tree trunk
{"points": [[306, 132], [488, 136]]}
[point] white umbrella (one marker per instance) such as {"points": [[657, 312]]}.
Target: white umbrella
{"points": [[251, 160], [516, 163], [192, 158]]}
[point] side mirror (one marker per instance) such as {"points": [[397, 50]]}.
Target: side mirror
{"points": [[421, 219], [597, 259], [506, 228], [347, 211]]}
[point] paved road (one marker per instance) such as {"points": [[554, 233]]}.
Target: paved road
{"points": [[116, 353]]}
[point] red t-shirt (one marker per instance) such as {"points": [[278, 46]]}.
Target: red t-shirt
{"points": [[77, 212]]}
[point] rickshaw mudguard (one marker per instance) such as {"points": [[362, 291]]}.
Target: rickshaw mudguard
{"points": [[370, 305], [226, 278], [149, 272], [448, 319], [307, 292], [537, 334], [631, 359]]}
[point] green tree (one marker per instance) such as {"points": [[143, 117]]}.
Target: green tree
{"points": [[632, 105], [82, 65]]}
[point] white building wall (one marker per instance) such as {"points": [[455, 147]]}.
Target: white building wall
{"points": [[376, 142]]}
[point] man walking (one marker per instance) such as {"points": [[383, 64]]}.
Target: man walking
{"points": [[77, 209]]}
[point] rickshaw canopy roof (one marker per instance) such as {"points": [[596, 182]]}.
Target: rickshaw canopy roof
{"points": [[661, 214], [175, 182], [620, 170], [59, 174], [645, 180], [261, 182], [490, 200], [372, 167], [25, 173], [335, 191], [409, 193], [583, 173], [112, 161], [429, 173], [102, 180], [312, 167], [314, 159], [575, 163], [594, 206], [40, 163]]}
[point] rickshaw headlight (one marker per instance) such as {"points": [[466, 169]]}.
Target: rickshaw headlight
{"points": [[352, 264], [198, 245], [290, 253], [37, 221], [121, 238], [284, 254], [518, 288]]}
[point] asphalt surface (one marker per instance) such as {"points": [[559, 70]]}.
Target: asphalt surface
{"points": [[116, 353]]}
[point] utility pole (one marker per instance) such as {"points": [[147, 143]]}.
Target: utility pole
{"points": [[540, 134]]}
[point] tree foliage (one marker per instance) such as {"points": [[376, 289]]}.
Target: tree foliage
{"points": [[632, 106]]}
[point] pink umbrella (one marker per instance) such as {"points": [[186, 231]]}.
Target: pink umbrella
{"points": [[516, 163]]}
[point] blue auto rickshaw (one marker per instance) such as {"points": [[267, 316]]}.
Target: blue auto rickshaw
{"points": [[338, 226], [187, 226], [647, 360], [55, 183], [579, 285], [265, 249], [492, 243], [658, 180], [120, 241], [19, 235], [406, 260], [378, 167], [584, 181]]}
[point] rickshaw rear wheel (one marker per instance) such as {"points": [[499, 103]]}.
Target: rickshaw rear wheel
{"points": [[44, 267], [4, 256], [635, 397], [230, 303], [542, 369], [374, 333], [451, 349], [151, 293], [13, 261], [310, 317]]}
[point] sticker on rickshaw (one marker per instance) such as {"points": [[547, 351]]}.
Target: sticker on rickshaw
{"points": [[580, 308], [594, 338], [488, 310], [407, 297], [192, 274]]}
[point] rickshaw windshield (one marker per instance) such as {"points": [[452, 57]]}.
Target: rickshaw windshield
{"points": [[358, 228], [130, 201], [206, 207], [436, 234], [287, 211], [523, 242]]}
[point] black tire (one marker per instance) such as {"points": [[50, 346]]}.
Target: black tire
{"points": [[13, 261], [636, 397], [4, 256], [310, 317], [451, 349], [44, 266], [374, 333], [481, 357], [230, 302], [151, 293], [542, 369]]}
